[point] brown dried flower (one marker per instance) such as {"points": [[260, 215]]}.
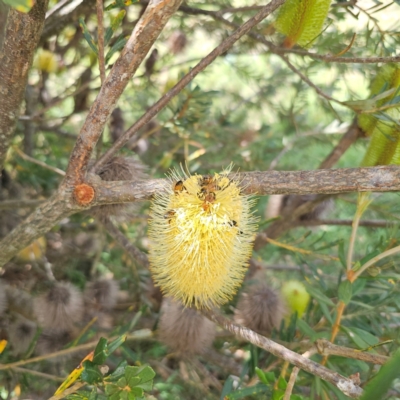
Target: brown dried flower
{"points": [[184, 330], [118, 169], [101, 294], [260, 309], [59, 308], [177, 42], [20, 334]]}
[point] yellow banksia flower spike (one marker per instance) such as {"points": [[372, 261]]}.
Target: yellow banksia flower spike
{"points": [[201, 233], [301, 21]]}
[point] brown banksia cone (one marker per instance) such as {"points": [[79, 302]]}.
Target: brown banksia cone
{"points": [[60, 308], [20, 334], [3, 298], [260, 309], [50, 342], [151, 62], [184, 330], [118, 169], [101, 294], [177, 42]]}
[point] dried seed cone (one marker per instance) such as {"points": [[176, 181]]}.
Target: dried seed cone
{"points": [[184, 330], [60, 308], [101, 294], [21, 333], [261, 309], [199, 249]]}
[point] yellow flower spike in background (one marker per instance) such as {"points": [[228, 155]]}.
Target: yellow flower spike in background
{"points": [[201, 233]]}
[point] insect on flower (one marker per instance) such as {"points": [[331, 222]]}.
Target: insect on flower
{"points": [[201, 233]]}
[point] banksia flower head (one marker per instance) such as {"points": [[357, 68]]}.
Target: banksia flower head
{"points": [[59, 308], [118, 169], [201, 234], [101, 294], [20, 334], [301, 21], [184, 330], [260, 309], [3, 298]]}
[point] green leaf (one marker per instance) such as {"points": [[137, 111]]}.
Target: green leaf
{"points": [[278, 394], [370, 339], [146, 373], [302, 21], [282, 384], [227, 389], [20, 5], [100, 354], [120, 4], [112, 346], [381, 383], [341, 254], [115, 22], [318, 295], [261, 375], [119, 372], [325, 311], [358, 286], [91, 372], [306, 329], [137, 391], [249, 391], [345, 291], [88, 36], [112, 389], [361, 338], [118, 45]]}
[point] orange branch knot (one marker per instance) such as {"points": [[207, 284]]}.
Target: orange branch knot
{"points": [[84, 194]]}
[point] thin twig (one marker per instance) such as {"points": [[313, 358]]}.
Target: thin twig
{"points": [[299, 250], [164, 100], [374, 260], [345, 222], [326, 348], [13, 204], [137, 335], [38, 162], [295, 372], [329, 58], [100, 40], [335, 328], [310, 83], [347, 386], [38, 373], [146, 31], [122, 240]]}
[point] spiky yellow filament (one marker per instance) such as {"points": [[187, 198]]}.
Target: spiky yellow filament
{"points": [[201, 233]]}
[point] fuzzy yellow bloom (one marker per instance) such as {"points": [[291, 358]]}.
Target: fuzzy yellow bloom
{"points": [[47, 61], [201, 233]]}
